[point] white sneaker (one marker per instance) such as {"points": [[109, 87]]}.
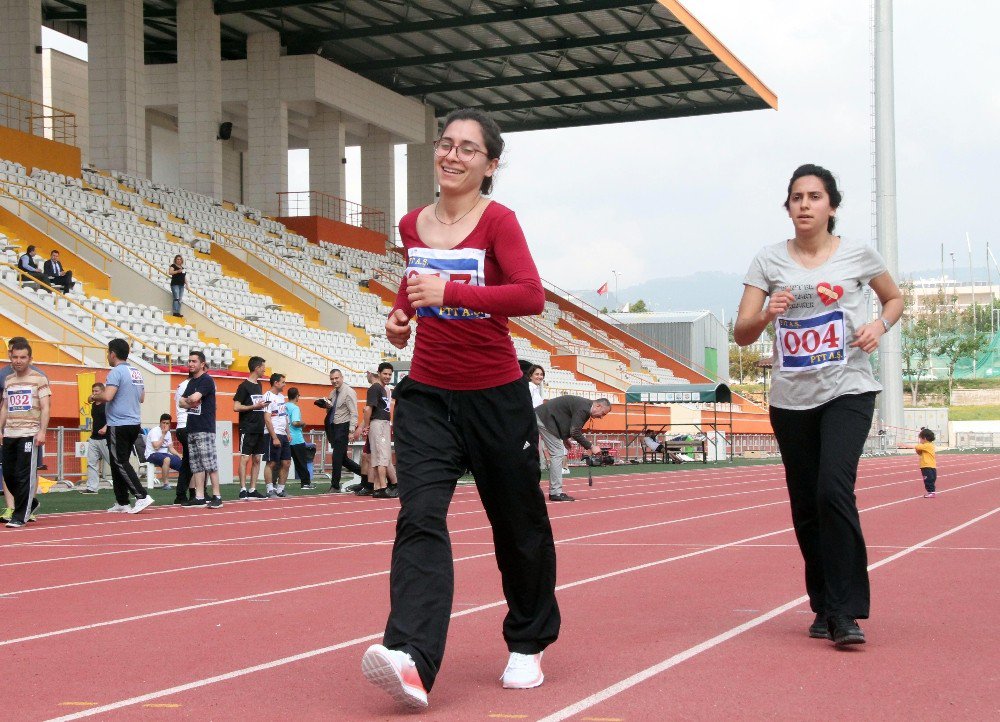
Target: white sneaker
{"points": [[141, 504], [395, 674], [119, 509], [565, 471], [524, 671]]}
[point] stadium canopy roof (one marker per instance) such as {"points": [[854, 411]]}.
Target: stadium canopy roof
{"points": [[679, 394], [534, 64]]}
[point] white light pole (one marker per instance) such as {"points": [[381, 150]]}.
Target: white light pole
{"points": [[618, 300]]}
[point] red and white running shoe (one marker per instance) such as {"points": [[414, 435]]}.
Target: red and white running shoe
{"points": [[523, 671], [395, 674]]}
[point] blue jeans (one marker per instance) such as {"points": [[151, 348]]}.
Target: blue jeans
{"points": [[177, 292]]}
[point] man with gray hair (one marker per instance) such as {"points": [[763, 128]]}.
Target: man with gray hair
{"points": [[560, 419]]}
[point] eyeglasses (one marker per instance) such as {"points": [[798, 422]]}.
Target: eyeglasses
{"points": [[465, 153]]}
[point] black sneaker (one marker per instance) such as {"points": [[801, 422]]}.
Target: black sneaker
{"points": [[392, 491], [180, 501], [280, 494], [195, 502], [819, 629], [244, 494], [363, 490], [15, 524], [844, 631], [88, 491], [347, 489], [214, 503], [335, 488], [256, 495], [380, 494], [561, 497]]}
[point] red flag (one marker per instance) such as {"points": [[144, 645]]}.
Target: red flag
{"points": [[603, 289]]}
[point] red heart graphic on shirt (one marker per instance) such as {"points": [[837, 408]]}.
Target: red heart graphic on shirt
{"points": [[829, 294]]}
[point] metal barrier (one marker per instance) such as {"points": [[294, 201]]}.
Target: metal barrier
{"points": [[34, 118], [977, 440], [314, 203]]}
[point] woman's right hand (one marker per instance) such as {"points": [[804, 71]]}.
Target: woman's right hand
{"points": [[778, 304], [397, 328]]}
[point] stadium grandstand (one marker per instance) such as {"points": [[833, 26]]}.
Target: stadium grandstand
{"points": [[173, 138]]}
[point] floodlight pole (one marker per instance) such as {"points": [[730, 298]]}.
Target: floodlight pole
{"points": [[890, 348]]}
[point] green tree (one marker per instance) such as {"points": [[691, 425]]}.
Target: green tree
{"points": [[638, 307], [918, 344], [958, 340], [743, 366]]}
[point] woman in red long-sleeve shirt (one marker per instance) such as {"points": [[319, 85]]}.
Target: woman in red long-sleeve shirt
{"points": [[464, 405]]}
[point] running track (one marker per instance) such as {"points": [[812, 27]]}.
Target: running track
{"points": [[681, 596]]}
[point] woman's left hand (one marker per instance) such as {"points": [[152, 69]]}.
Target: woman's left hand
{"points": [[425, 290], [868, 335]]}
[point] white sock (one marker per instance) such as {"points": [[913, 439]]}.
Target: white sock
{"points": [[270, 488], [281, 488]]}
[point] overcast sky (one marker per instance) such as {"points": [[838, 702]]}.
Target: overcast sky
{"points": [[666, 198]]}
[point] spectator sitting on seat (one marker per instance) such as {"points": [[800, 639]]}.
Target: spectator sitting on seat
{"points": [[160, 451], [55, 275], [26, 265], [657, 447]]}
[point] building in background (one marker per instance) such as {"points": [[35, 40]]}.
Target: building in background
{"points": [[697, 338]]}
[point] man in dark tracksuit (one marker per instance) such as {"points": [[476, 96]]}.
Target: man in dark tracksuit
{"points": [[563, 418]]}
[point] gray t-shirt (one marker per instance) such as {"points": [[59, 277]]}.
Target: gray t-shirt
{"points": [[813, 361], [124, 409]]}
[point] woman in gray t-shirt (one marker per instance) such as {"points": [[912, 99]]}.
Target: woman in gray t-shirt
{"points": [[823, 390]]}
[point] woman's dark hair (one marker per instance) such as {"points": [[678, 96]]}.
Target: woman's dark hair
{"points": [[491, 136], [926, 434], [531, 371], [178, 256], [829, 183]]}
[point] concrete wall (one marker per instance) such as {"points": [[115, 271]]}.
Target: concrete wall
{"points": [[65, 80]]}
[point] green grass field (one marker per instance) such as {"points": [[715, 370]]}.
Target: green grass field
{"points": [[973, 413]]}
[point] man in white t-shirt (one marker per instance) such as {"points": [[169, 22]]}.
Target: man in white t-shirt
{"points": [[160, 451], [279, 452]]}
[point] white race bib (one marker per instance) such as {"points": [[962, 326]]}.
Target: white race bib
{"points": [[458, 265], [136, 376], [19, 399], [814, 342]]}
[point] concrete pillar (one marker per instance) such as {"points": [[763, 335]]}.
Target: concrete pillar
{"points": [[421, 184], [378, 176], [20, 64], [199, 97], [326, 154], [267, 124], [116, 85]]}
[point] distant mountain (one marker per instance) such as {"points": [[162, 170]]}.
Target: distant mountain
{"points": [[703, 291]]}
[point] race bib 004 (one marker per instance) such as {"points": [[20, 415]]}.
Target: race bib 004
{"points": [[458, 265], [809, 343]]}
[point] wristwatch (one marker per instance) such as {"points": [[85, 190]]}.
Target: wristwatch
{"points": [[885, 323]]}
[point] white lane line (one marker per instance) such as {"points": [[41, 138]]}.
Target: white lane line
{"points": [[456, 531], [639, 677], [465, 612], [657, 484]]}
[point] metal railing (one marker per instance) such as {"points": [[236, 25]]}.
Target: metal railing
{"points": [[314, 203], [38, 119]]}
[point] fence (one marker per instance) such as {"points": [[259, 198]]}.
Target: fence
{"points": [[977, 440], [314, 203], [34, 118]]}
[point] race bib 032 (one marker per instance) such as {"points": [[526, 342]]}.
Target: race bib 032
{"points": [[18, 399], [809, 343], [458, 265]]}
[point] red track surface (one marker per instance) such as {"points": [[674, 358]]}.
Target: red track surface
{"points": [[678, 594]]}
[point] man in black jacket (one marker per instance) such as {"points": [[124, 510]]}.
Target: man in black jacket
{"points": [[564, 418], [56, 275]]}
